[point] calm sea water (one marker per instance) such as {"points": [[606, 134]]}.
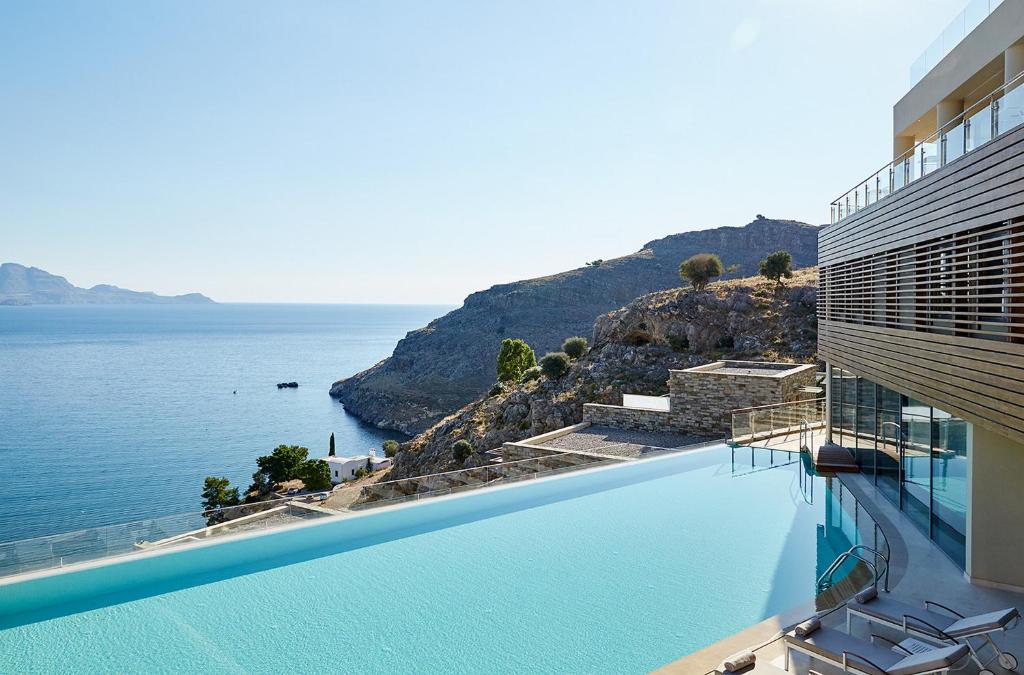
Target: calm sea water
{"points": [[116, 413]]}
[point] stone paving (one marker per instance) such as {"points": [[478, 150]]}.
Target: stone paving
{"points": [[623, 442]]}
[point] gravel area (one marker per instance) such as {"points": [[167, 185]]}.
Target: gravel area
{"points": [[622, 442]]}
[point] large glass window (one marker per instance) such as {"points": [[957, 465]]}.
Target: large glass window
{"points": [[949, 485], [916, 454]]}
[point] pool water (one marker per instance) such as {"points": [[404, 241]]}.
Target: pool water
{"points": [[621, 569]]}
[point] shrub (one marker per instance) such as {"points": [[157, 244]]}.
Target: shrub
{"points": [[679, 343], [777, 266], [496, 389], [595, 263], [461, 450], [555, 364], [316, 474], [637, 338], [530, 374], [514, 357], [217, 493], [575, 347], [700, 269], [390, 448], [283, 464], [726, 342]]}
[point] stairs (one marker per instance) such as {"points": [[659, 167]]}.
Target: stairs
{"points": [[834, 458]]}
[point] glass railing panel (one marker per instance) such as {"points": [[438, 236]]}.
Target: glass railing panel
{"points": [[913, 164], [929, 154], [1010, 110], [975, 13], [953, 143], [979, 128], [899, 174], [882, 178]]}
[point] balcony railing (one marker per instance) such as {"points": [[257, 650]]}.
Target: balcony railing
{"points": [[993, 115], [955, 32]]}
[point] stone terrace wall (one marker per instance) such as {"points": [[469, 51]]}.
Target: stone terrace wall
{"points": [[702, 400], [617, 417]]}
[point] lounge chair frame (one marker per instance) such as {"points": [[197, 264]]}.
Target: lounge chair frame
{"points": [[940, 637], [844, 662]]}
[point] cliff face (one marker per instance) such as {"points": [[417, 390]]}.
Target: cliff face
{"points": [[684, 328], [437, 369], [20, 285]]}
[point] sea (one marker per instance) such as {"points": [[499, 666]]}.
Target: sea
{"points": [[116, 413]]}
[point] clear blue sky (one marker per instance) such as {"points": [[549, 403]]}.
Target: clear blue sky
{"points": [[319, 151]]}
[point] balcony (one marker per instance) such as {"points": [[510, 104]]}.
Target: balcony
{"points": [[993, 115], [955, 32]]}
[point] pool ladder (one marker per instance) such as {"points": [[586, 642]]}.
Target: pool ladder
{"points": [[806, 435], [825, 580]]}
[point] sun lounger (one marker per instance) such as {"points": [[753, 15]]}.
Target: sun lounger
{"points": [[945, 627], [854, 655]]}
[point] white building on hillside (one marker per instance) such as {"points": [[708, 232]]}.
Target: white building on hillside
{"points": [[345, 468]]}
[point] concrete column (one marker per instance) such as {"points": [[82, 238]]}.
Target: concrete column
{"points": [[901, 144], [1013, 62], [947, 110], [995, 509]]}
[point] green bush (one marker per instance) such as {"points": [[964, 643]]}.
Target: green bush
{"points": [[533, 373], [726, 342], [283, 464], [316, 475], [461, 450], [777, 266], [496, 389], [555, 364], [679, 343], [575, 346], [514, 357], [390, 448], [700, 269], [217, 493], [637, 338]]}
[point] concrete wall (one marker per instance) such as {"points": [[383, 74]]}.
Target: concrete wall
{"points": [[703, 400], [995, 525], [617, 417]]}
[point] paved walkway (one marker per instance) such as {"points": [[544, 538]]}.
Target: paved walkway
{"points": [[622, 442]]}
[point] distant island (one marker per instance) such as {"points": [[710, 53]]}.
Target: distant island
{"points": [[20, 285]]}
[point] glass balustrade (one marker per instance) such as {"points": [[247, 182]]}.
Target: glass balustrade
{"points": [[999, 112], [954, 33]]}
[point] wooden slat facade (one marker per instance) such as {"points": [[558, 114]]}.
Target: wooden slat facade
{"points": [[923, 292]]}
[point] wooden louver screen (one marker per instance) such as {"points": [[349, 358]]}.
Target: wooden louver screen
{"points": [[969, 284]]}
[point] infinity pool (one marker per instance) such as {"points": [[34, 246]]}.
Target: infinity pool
{"points": [[619, 569]]}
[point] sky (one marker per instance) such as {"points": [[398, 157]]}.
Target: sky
{"points": [[414, 152]]}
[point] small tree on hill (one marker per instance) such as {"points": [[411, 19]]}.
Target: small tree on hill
{"points": [[315, 474], [330, 449], [390, 448], [700, 269], [461, 450], [777, 266], [283, 464], [575, 347], [218, 493], [555, 364], [513, 359]]}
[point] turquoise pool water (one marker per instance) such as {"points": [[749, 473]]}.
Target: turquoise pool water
{"points": [[611, 570]]}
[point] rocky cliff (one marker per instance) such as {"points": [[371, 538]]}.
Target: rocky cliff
{"points": [[634, 349], [20, 285], [437, 369]]}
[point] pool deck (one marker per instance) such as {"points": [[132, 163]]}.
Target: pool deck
{"points": [[919, 571]]}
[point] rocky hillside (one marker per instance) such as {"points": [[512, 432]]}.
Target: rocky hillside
{"points": [[634, 348], [438, 369], [20, 285]]}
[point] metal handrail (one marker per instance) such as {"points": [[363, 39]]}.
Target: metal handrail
{"points": [[987, 99], [816, 399], [826, 576]]}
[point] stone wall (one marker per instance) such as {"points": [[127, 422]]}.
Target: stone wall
{"points": [[617, 417], [702, 399]]}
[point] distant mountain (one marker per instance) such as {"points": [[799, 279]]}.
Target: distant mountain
{"points": [[20, 285], [438, 369]]}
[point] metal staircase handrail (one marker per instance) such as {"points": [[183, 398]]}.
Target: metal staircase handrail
{"points": [[826, 576]]}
